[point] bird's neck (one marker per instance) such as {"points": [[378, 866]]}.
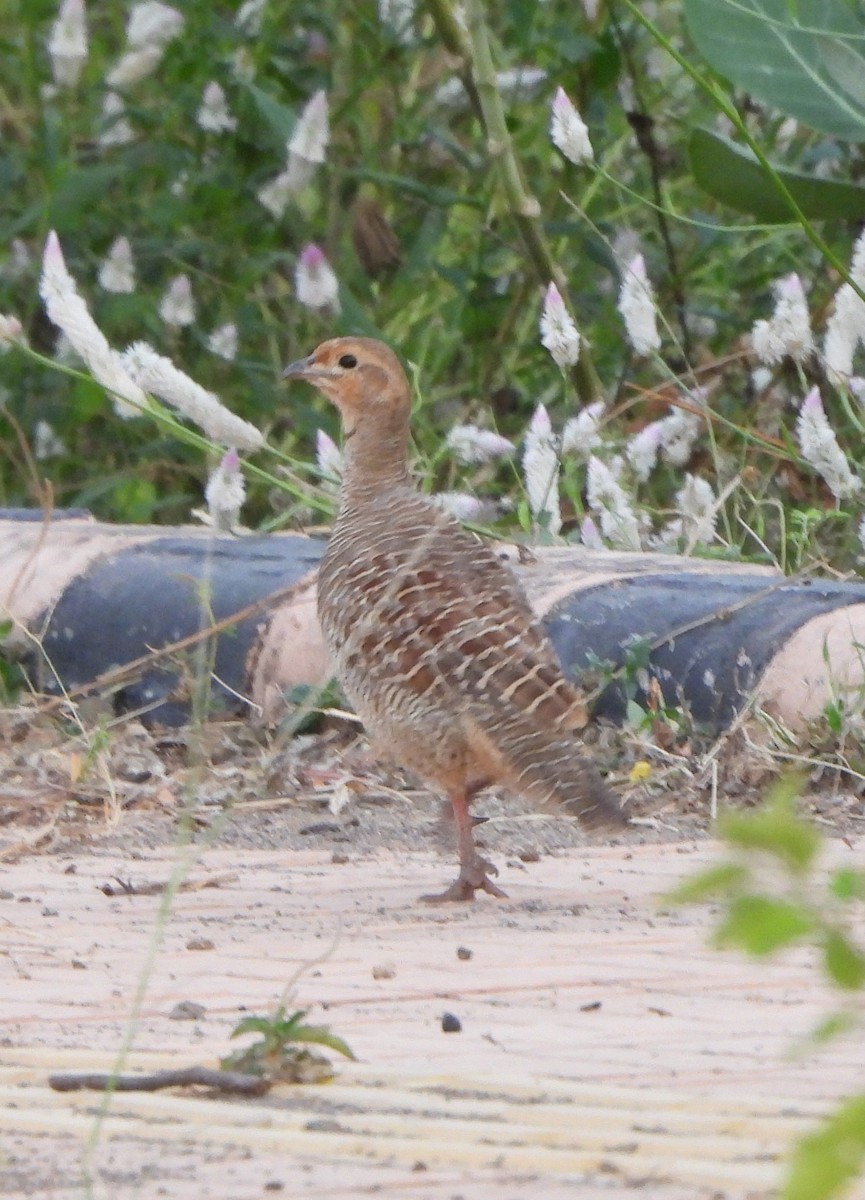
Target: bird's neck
{"points": [[375, 454]]}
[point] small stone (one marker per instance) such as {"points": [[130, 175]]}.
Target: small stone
{"points": [[274, 1185], [419, 1166], [187, 1010], [451, 1023], [78, 965], [383, 971], [339, 858], [4, 895], [199, 943], [321, 827], [464, 954], [528, 856]]}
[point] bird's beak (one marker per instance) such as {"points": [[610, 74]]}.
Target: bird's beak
{"points": [[300, 369]]}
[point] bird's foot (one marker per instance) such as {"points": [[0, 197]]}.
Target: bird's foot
{"points": [[472, 878]]}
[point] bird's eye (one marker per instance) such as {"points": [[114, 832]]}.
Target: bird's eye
{"points": [[348, 361]]}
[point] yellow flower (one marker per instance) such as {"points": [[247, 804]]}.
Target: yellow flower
{"points": [[640, 771]]}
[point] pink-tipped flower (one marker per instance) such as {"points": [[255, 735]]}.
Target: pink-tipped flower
{"points": [[157, 374], [541, 471], [213, 116], [67, 45], [787, 333], [590, 535], [569, 131], [820, 448], [117, 272], [606, 496], [225, 493], [315, 282], [559, 334], [177, 306], [69, 312], [637, 307]]}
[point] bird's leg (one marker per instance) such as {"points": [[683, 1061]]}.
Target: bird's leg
{"points": [[473, 876]]}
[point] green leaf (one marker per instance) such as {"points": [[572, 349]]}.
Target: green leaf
{"points": [[320, 1035], [732, 175], [823, 1162], [760, 925], [716, 881], [831, 1027], [844, 961], [79, 191], [280, 118], [848, 884], [775, 828], [804, 57]]}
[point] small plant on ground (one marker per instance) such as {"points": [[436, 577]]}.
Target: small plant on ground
{"points": [[281, 1054]]}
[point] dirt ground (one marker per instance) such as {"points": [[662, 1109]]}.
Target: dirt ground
{"points": [[603, 1050]]}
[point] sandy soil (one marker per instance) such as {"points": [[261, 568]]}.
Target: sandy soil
{"points": [[603, 1049]]}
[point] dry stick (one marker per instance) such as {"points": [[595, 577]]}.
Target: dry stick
{"points": [[116, 675], [223, 1081], [474, 51]]}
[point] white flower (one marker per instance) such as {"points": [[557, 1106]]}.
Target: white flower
{"points": [[223, 341], [158, 375], [225, 493], [471, 445], [559, 334], [67, 45], [637, 307], [619, 524], [466, 507], [276, 193], [117, 272], [541, 471], [581, 433], [698, 508], [641, 450], [788, 330], [46, 443], [249, 17], [11, 331], [149, 28], [177, 306], [19, 261], [69, 312], [312, 131], [117, 130], [678, 433], [568, 130], [213, 115], [845, 328], [243, 64], [315, 282], [862, 533], [152, 24], [820, 447], [135, 66], [398, 16], [328, 456]]}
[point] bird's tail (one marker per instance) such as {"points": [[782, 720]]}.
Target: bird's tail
{"points": [[547, 768]]}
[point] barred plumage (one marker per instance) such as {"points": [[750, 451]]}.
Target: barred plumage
{"points": [[431, 635]]}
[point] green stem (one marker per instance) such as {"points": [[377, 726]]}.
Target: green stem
{"points": [[522, 205]]}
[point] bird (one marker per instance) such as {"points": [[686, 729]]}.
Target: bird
{"points": [[432, 637]]}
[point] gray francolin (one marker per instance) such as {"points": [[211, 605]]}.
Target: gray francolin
{"points": [[431, 635]]}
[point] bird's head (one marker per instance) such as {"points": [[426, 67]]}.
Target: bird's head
{"points": [[361, 376]]}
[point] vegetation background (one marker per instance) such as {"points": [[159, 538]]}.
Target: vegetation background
{"points": [[415, 215]]}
